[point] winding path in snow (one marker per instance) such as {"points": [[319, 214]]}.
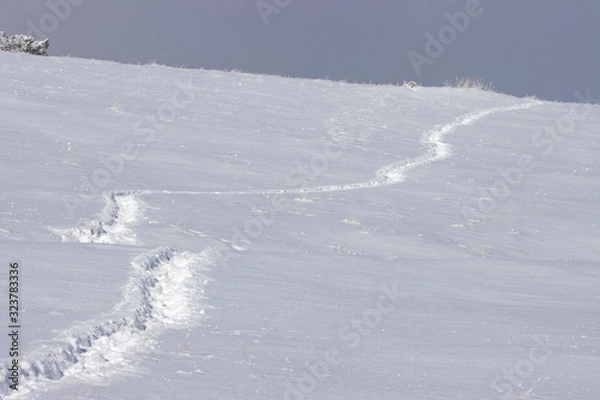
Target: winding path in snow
{"points": [[388, 175], [165, 289], [124, 209]]}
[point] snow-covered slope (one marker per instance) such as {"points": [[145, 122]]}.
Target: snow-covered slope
{"points": [[189, 234]]}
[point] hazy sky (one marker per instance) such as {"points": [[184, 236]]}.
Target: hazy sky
{"points": [[547, 48]]}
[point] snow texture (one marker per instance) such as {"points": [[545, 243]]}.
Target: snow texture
{"points": [[202, 234]]}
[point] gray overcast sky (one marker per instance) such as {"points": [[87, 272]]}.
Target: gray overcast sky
{"points": [[547, 48]]}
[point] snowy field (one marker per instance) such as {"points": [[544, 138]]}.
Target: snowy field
{"points": [[186, 234]]}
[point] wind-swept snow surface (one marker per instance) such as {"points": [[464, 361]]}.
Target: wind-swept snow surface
{"points": [[197, 234]]}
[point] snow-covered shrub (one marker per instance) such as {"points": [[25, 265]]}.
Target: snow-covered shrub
{"points": [[23, 44]]}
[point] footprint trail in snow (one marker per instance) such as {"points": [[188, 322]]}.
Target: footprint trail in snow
{"points": [[388, 175], [123, 210], [165, 289]]}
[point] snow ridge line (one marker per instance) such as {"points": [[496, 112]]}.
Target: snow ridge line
{"points": [[122, 209], [388, 175], [165, 291]]}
